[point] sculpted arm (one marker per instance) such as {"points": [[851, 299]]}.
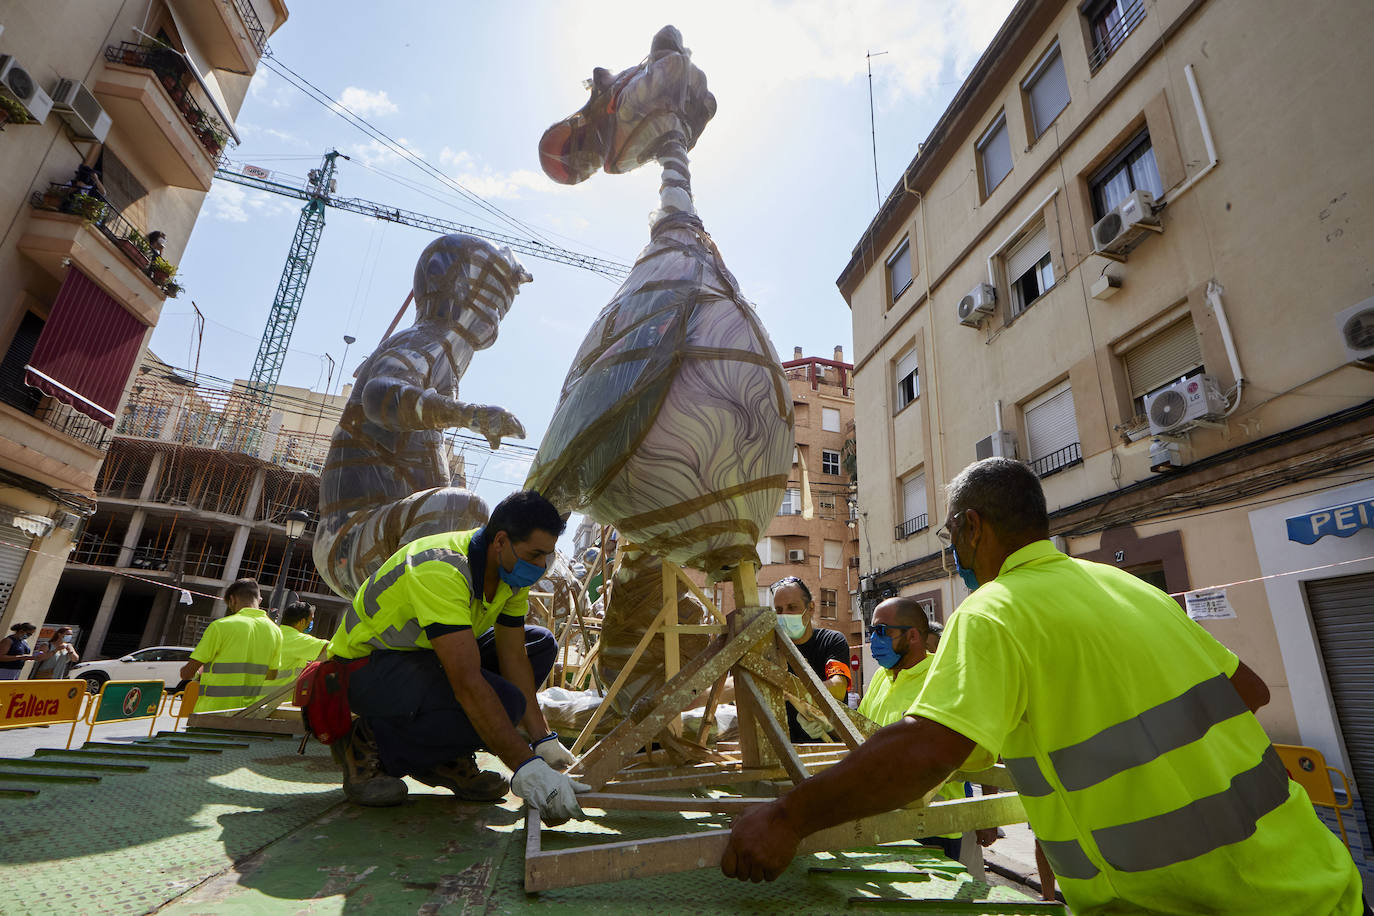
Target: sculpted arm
{"points": [[397, 401]]}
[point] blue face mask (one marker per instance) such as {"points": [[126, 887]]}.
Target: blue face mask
{"points": [[523, 575], [310, 626], [969, 576], [883, 653]]}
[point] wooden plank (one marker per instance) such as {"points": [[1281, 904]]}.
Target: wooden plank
{"points": [[619, 801], [834, 712], [590, 728], [600, 764], [672, 655], [709, 710], [796, 770], [700, 596], [755, 747], [671, 855], [224, 722]]}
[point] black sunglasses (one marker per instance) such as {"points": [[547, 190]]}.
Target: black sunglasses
{"points": [[880, 629]]}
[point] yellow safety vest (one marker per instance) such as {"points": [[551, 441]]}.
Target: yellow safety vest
{"points": [[297, 650], [428, 581], [237, 652], [1150, 785]]}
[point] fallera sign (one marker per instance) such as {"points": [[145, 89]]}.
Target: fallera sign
{"points": [[39, 702], [1342, 521]]}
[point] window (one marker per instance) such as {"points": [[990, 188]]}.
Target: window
{"points": [[899, 270], [1029, 270], [829, 600], [765, 596], [1109, 22], [1133, 169], [908, 378], [994, 154], [825, 506], [1052, 431], [796, 454], [771, 551], [1047, 90], [914, 515], [1172, 354], [830, 419], [13, 391], [830, 461], [791, 502], [832, 554]]}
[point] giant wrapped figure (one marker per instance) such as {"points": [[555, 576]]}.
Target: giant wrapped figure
{"points": [[675, 420]]}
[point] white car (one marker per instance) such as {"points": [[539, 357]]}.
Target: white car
{"points": [[158, 662]]}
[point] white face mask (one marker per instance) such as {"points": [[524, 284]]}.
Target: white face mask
{"points": [[794, 625]]}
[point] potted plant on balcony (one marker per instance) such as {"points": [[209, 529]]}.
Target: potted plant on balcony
{"points": [[91, 209], [161, 270], [11, 112], [135, 248], [172, 288]]}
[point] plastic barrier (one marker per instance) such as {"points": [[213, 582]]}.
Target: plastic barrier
{"points": [[27, 703], [121, 701], [1307, 767], [180, 705]]}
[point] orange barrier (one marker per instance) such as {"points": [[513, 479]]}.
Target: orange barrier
{"points": [[1307, 767], [27, 703], [180, 706]]}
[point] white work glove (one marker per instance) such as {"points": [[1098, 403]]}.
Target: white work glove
{"points": [[816, 728], [553, 752], [552, 793]]}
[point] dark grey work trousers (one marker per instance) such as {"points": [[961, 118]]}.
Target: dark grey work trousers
{"points": [[418, 723]]}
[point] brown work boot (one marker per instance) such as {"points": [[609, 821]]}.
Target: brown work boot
{"points": [[364, 781], [462, 777]]}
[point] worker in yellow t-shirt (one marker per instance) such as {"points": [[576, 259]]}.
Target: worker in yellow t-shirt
{"points": [[238, 652], [298, 647], [1128, 730]]}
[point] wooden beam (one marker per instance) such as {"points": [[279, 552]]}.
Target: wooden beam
{"points": [[619, 682], [834, 712], [796, 770], [618, 801]]}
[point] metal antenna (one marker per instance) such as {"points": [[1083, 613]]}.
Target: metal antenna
{"points": [[873, 124]]}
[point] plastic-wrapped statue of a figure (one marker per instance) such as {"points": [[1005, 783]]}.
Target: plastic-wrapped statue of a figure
{"points": [[386, 479], [675, 420]]}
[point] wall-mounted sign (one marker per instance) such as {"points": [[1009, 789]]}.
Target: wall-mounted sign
{"points": [[1208, 604], [1342, 521]]}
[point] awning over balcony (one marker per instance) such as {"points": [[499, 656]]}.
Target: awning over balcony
{"points": [[87, 349]]}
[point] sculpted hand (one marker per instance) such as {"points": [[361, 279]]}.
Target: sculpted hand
{"points": [[494, 423], [553, 752], [762, 843]]}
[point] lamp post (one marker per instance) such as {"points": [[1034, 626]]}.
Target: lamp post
{"points": [[349, 340], [294, 523]]}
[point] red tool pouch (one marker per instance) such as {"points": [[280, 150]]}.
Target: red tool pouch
{"points": [[322, 695]]}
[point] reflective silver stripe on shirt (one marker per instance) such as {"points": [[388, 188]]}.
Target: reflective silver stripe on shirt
{"points": [[1030, 781], [1201, 826], [407, 635], [394, 638], [234, 690], [236, 668], [1068, 859], [1140, 739]]}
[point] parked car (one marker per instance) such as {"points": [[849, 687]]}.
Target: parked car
{"points": [[163, 662]]}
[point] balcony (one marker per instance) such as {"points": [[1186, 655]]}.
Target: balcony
{"points": [[912, 525], [1112, 30], [147, 91], [228, 32], [1057, 460]]}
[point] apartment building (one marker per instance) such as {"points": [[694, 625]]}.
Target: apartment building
{"points": [[1134, 252], [113, 116]]}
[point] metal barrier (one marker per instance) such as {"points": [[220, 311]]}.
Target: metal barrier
{"points": [[122, 701], [1308, 768], [181, 705], [46, 702]]}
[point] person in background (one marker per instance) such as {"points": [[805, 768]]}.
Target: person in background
{"points": [[53, 662], [239, 652], [157, 239], [826, 651], [937, 629], [14, 650], [298, 648]]}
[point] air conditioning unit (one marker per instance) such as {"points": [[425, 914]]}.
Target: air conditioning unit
{"points": [[1115, 234], [1356, 325], [796, 556], [1000, 444], [1173, 408], [22, 87], [79, 108], [977, 305]]}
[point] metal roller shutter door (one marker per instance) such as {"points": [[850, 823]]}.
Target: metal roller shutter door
{"points": [[14, 550], [1343, 614], [1164, 358]]}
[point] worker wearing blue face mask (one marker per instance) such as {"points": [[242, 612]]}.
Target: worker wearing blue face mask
{"points": [[826, 651], [452, 667]]}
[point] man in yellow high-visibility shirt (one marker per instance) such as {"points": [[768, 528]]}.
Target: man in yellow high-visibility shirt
{"points": [[897, 639], [298, 647], [1128, 730], [239, 652]]}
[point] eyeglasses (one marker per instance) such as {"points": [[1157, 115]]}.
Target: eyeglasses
{"points": [[946, 531], [880, 629]]}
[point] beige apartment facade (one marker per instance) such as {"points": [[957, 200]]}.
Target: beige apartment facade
{"points": [[144, 96], [1132, 253]]}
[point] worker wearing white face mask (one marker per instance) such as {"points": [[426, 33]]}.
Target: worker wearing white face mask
{"points": [[826, 651]]}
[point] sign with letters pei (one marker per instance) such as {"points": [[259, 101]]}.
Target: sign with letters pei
{"points": [[40, 702], [1342, 521]]}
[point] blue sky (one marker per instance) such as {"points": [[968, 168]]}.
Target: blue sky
{"points": [[783, 176]]}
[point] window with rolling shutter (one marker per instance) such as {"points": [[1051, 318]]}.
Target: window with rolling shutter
{"points": [[908, 378], [1047, 90], [1168, 356], [14, 550], [1029, 272], [899, 270], [994, 153], [914, 512], [1052, 431]]}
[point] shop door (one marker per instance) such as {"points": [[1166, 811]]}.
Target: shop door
{"points": [[1343, 614]]}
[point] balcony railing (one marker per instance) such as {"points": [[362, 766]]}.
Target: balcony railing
{"points": [[1133, 12], [103, 216], [256, 32], [912, 525], [72, 423], [1056, 461], [172, 72], [93, 550]]}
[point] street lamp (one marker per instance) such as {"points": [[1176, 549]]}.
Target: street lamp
{"points": [[349, 340], [295, 523]]}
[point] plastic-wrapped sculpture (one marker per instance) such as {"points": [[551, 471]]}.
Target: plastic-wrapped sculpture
{"points": [[386, 478], [675, 420]]}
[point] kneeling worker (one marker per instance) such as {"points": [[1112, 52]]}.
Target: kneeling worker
{"points": [[452, 667], [898, 639]]}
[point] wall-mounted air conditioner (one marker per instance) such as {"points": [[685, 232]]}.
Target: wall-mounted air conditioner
{"points": [[1000, 444], [1115, 234], [1356, 325], [1174, 408], [20, 86], [79, 108], [977, 305], [796, 556]]}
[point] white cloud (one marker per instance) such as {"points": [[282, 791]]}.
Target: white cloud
{"points": [[375, 152], [251, 131], [233, 203], [366, 103], [267, 89], [488, 183]]}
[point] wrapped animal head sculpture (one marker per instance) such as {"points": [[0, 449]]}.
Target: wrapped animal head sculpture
{"points": [[629, 114], [469, 282]]}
